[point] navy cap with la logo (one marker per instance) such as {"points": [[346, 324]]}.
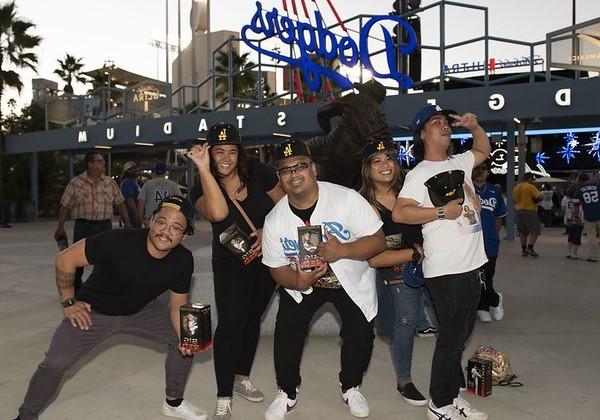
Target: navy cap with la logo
{"points": [[380, 146], [427, 112], [291, 148], [223, 133]]}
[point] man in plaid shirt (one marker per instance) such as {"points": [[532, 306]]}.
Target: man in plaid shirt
{"points": [[90, 196]]}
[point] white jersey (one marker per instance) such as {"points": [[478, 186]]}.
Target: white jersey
{"points": [[154, 191], [546, 202], [451, 246], [347, 216]]}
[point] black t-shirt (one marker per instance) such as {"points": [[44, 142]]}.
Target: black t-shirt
{"points": [[411, 235], [256, 205], [126, 277]]}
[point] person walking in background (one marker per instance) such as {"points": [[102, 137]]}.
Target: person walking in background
{"points": [[154, 191], [493, 211], [235, 190], [90, 196], [589, 197], [573, 219], [526, 196], [131, 268], [439, 194], [547, 204], [131, 190], [381, 181]]}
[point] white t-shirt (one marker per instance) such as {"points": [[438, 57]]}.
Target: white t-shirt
{"points": [[347, 216], [154, 191], [451, 246], [546, 202], [569, 207]]}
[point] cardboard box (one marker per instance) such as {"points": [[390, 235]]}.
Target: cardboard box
{"points": [[195, 327], [479, 376]]}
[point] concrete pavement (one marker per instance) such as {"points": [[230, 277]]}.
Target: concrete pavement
{"points": [[549, 332]]}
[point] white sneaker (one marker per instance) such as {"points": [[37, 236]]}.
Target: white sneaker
{"points": [[185, 411], [280, 407], [447, 412], [223, 409], [356, 402], [497, 312], [465, 410], [484, 316]]}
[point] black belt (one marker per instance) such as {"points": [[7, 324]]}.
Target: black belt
{"points": [[92, 221]]}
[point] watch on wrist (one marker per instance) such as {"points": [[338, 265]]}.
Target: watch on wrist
{"points": [[441, 213], [68, 302], [416, 255]]}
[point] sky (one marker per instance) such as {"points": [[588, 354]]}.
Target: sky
{"points": [[122, 30]]}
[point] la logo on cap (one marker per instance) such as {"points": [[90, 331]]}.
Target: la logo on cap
{"points": [[288, 150], [381, 146], [223, 135]]}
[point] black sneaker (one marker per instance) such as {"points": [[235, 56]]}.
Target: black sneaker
{"points": [[524, 253], [411, 395], [427, 332], [531, 252]]}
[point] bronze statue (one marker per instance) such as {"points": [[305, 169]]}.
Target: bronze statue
{"points": [[338, 153]]}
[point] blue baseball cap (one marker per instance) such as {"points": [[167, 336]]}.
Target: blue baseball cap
{"points": [[427, 112]]}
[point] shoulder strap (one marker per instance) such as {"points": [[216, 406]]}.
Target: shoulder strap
{"points": [[243, 213]]}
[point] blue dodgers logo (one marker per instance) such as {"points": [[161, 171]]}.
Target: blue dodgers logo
{"points": [[324, 43], [290, 246]]}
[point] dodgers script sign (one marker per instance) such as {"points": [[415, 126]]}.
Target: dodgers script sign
{"points": [[321, 42]]}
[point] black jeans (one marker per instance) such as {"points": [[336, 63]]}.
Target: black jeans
{"points": [[455, 297], [489, 297], [242, 295], [291, 329], [84, 228]]}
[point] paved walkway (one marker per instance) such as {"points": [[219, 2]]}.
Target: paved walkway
{"points": [[550, 333]]}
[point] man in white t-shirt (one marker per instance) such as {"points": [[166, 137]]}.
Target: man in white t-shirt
{"points": [[439, 194], [154, 191], [351, 234]]}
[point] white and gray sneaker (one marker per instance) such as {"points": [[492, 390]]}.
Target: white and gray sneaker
{"points": [[281, 406], [497, 312], [447, 412], [248, 390], [466, 411], [185, 410], [356, 402], [484, 316], [223, 409]]}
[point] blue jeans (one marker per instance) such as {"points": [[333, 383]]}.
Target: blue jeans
{"points": [[427, 316], [397, 317]]}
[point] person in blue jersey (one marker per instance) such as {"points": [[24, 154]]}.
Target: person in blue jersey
{"points": [[493, 211], [589, 197]]}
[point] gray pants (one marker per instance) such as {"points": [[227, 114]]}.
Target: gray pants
{"points": [[70, 344]]}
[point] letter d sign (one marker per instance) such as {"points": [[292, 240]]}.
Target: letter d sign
{"points": [[563, 97]]}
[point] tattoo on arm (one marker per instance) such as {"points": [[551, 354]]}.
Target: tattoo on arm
{"points": [[64, 279]]}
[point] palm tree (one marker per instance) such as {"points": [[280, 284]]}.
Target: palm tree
{"points": [[15, 51], [70, 68], [243, 82]]}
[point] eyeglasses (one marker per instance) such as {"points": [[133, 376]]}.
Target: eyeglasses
{"points": [[288, 170], [174, 229]]}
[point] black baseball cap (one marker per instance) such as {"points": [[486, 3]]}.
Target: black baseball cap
{"points": [[290, 148], [223, 133], [373, 147], [445, 187], [182, 204]]}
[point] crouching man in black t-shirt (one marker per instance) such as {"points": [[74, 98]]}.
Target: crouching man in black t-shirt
{"points": [[131, 268]]}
